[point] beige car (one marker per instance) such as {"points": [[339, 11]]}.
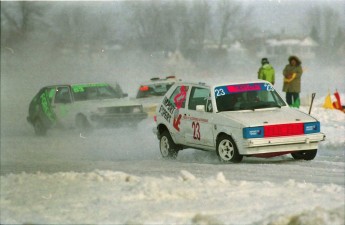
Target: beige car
{"points": [[150, 93]]}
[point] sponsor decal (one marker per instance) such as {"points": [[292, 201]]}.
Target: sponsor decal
{"points": [[46, 107], [180, 98], [176, 122], [168, 109], [238, 88], [195, 119], [168, 105], [244, 88], [165, 113]]}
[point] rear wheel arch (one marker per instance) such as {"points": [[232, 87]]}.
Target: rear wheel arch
{"points": [[81, 121], [161, 128], [219, 135], [39, 127], [167, 146]]}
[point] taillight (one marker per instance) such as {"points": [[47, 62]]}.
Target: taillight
{"points": [[144, 88], [155, 118]]}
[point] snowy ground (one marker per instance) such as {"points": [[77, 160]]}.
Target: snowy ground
{"points": [[116, 176], [107, 178]]}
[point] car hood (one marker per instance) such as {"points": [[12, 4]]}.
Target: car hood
{"points": [[269, 116], [108, 102]]}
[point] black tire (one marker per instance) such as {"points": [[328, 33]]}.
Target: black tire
{"points": [[39, 128], [82, 124], [306, 155], [168, 148], [227, 150]]}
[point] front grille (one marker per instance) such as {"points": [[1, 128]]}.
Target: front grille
{"points": [[120, 109]]}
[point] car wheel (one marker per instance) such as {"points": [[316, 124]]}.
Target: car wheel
{"points": [[306, 155], [40, 129], [81, 123], [167, 146], [227, 150]]}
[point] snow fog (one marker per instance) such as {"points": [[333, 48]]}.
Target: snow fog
{"points": [[117, 176]]}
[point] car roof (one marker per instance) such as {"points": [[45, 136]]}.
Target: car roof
{"points": [[157, 80], [80, 84], [217, 83]]}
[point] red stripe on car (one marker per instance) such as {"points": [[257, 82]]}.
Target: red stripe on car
{"points": [[283, 130]]}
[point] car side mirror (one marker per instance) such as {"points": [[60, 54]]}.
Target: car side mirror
{"points": [[200, 108]]}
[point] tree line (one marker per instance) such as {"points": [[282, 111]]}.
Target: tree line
{"points": [[150, 25]]}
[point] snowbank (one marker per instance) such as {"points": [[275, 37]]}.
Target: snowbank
{"points": [[108, 197]]}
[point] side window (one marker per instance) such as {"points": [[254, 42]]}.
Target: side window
{"points": [[62, 95], [200, 96], [178, 97]]}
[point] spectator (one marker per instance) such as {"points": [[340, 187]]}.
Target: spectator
{"points": [[266, 71], [292, 80]]}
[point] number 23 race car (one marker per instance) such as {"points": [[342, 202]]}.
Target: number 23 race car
{"points": [[234, 120]]}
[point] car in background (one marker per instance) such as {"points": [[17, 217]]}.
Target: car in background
{"points": [[151, 92], [234, 119], [82, 106]]}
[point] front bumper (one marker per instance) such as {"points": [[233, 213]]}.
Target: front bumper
{"points": [[282, 144], [150, 110], [118, 118]]}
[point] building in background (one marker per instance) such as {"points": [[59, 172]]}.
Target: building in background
{"points": [[282, 47]]}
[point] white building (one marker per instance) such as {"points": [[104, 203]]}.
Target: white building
{"points": [[277, 48]]}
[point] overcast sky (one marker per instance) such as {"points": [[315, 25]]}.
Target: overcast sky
{"points": [[278, 15]]}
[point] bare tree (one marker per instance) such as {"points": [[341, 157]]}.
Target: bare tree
{"points": [[18, 19], [147, 20], [326, 28], [232, 19], [200, 22], [325, 21]]}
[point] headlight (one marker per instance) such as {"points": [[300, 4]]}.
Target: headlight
{"points": [[102, 110], [137, 109], [313, 127], [253, 132]]}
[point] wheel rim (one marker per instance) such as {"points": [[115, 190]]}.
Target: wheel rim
{"points": [[164, 146], [226, 150]]}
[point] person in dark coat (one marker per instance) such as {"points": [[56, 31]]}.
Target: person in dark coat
{"points": [[292, 80]]}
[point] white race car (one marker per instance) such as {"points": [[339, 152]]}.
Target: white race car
{"points": [[235, 120]]}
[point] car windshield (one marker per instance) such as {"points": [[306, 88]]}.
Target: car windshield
{"points": [[247, 97], [155, 89], [95, 92]]}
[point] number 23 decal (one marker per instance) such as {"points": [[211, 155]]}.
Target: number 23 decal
{"points": [[219, 92], [196, 133]]}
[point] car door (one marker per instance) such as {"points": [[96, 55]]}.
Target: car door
{"points": [[172, 110], [62, 105], [41, 106], [197, 125]]}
